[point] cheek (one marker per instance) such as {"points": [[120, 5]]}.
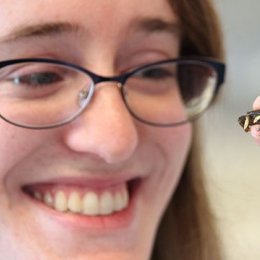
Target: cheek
{"points": [[175, 150], [172, 147], [16, 145], [174, 144], [10, 149]]}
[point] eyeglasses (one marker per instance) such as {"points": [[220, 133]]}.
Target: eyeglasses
{"points": [[46, 93]]}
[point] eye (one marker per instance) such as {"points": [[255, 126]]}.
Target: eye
{"points": [[153, 80], [37, 79], [157, 73]]}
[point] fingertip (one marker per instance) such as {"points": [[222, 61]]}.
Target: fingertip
{"points": [[256, 103], [255, 133]]}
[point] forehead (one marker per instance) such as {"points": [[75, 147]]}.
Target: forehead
{"points": [[115, 14]]}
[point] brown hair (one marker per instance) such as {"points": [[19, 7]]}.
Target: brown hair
{"points": [[187, 230]]}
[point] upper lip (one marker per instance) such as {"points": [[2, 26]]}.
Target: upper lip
{"points": [[102, 181]]}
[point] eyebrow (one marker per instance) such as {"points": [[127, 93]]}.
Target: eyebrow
{"points": [[38, 30], [156, 25], [148, 25]]}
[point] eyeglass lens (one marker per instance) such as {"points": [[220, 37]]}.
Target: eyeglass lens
{"points": [[42, 94], [170, 93]]}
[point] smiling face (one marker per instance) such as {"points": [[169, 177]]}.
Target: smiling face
{"points": [[95, 188]]}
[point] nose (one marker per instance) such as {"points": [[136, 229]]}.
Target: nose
{"points": [[105, 129]]}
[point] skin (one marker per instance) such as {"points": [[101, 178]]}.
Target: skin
{"points": [[255, 129], [105, 143]]}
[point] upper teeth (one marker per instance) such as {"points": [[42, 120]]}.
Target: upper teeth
{"points": [[90, 203]]}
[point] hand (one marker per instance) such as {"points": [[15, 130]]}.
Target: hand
{"points": [[255, 129]]}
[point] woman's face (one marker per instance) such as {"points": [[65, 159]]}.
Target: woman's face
{"points": [[123, 170]]}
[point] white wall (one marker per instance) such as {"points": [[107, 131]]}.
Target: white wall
{"points": [[232, 159]]}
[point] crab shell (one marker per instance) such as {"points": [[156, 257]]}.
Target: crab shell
{"points": [[251, 118]]}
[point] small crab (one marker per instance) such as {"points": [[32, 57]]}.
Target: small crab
{"points": [[251, 118]]}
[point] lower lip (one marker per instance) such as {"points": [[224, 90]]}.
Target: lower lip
{"points": [[117, 220]]}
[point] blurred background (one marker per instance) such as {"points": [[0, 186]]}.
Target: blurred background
{"points": [[232, 159]]}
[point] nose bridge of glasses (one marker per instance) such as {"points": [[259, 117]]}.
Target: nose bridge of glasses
{"points": [[86, 95], [115, 80]]}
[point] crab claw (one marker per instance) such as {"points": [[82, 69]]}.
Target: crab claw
{"points": [[251, 118], [244, 122]]}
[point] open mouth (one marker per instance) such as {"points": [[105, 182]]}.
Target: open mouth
{"points": [[83, 200]]}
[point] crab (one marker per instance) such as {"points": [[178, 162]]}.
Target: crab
{"points": [[251, 118]]}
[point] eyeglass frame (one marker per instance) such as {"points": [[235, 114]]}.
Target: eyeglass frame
{"points": [[218, 66]]}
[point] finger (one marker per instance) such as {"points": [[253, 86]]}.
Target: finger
{"points": [[256, 103], [255, 133]]}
